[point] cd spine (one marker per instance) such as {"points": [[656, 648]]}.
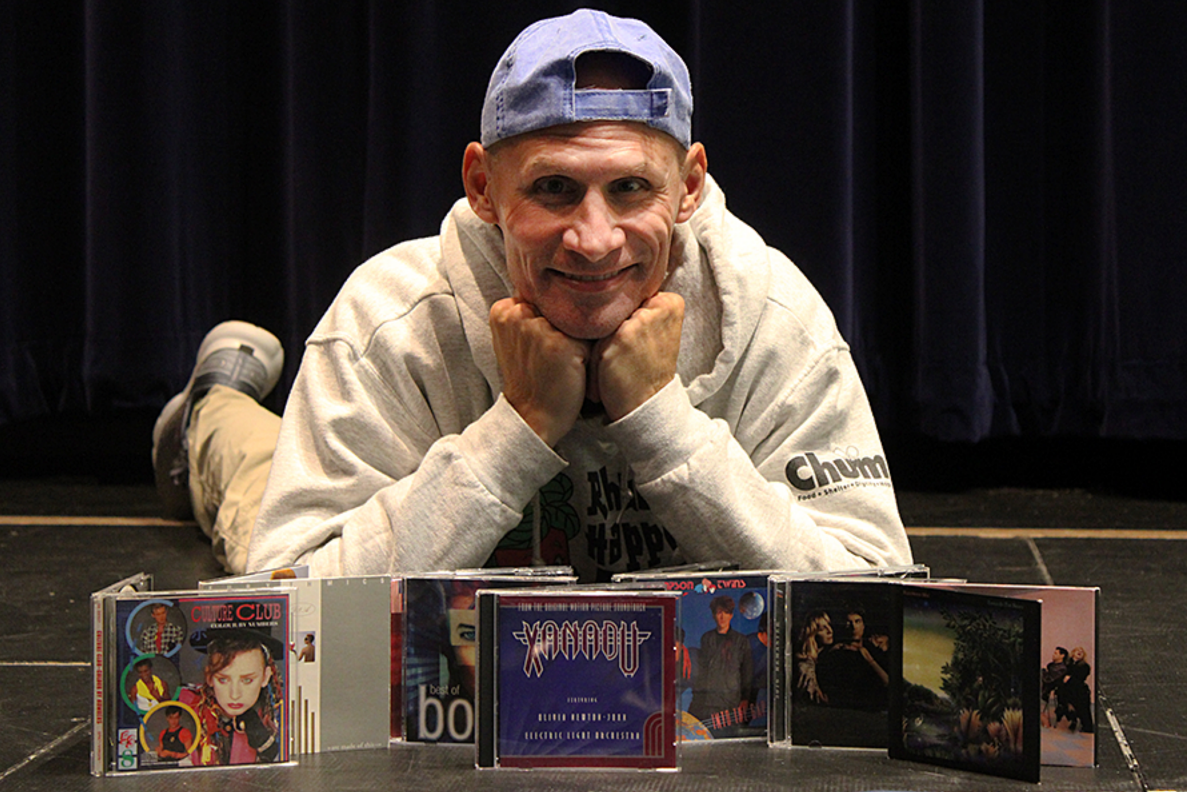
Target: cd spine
{"points": [[99, 685], [777, 672], [486, 735]]}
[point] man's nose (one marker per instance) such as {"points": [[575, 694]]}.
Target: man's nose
{"points": [[594, 231]]}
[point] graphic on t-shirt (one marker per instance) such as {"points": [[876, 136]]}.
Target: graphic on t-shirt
{"points": [[559, 525]]}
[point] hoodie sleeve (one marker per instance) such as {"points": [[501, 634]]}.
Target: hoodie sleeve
{"points": [[792, 477], [389, 460]]}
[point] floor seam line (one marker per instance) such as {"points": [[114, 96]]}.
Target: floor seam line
{"points": [[1131, 759], [45, 749]]}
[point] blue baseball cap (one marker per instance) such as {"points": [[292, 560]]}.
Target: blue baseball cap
{"points": [[534, 84]]}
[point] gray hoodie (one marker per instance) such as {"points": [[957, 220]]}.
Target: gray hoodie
{"points": [[398, 454]]}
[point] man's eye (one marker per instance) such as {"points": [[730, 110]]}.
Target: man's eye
{"points": [[552, 185], [628, 186]]}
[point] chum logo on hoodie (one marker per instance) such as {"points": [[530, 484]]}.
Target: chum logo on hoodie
{"points": [[814, 476]]}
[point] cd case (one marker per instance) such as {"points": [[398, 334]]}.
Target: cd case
{"points": [[939, 672], [1068, 655], [721, 651], [572, 678], [189, 679], [340, 654], [966, 686], [438, 647]]}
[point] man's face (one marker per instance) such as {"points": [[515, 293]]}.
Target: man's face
{"points": [[160, 613], [237, 685], [173, 719], [145, 672], [587, 212], [856, 625], [723, 618]]}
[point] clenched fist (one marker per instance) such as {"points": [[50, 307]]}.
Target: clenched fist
{"points": [[543, 369], [636, 362]]}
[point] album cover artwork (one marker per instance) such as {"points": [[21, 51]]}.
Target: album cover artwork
{"points": [[966, 685], [837, 661], [721, 652], [1068, 659], [440, 630], [199, 680], [577, 679], [341, 676]]}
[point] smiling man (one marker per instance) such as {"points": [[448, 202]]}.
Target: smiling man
{"points": [[587, 213], [594, 363]]}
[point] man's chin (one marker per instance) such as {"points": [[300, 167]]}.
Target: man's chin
{"points": [[589, 327]]}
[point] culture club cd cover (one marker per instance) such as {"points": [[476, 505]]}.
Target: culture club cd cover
{"points": [[203, 681]]}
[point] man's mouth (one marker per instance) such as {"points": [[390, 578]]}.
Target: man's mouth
{"points": [[590, 278], [580, 279]]}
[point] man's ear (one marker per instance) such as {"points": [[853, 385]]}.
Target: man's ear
{"points": [[476, 163], [696, 165]]}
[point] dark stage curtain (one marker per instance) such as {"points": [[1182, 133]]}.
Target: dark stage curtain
{"points": [[990, 195]]}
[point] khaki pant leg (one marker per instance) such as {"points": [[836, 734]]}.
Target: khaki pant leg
{"points": [[231, 440]]}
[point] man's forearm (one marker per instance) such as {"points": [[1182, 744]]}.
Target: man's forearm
{"points": [[717, 504], [449, 512]]}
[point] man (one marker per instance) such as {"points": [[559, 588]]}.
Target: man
{"points": [[149, 690], [162, 635], [308, 653], [1052, 678], [175, 740], [853, 673], [721, 692], [595, 363]]}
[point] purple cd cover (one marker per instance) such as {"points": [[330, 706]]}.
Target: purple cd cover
{"points": [[577, 680]]}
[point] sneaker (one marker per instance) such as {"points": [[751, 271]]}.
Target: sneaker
{"points": [[236, 354]]}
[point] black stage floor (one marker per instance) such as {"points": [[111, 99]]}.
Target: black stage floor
{"points": [[60, 539]]}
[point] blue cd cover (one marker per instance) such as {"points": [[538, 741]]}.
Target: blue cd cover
{"points": [[722, 652], [577, 680]]}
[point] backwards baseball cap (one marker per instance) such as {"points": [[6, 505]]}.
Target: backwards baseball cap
{"points": [[534, 84]]}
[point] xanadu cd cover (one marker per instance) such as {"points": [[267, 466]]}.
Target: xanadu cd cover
{"points": [[576, 680]]}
